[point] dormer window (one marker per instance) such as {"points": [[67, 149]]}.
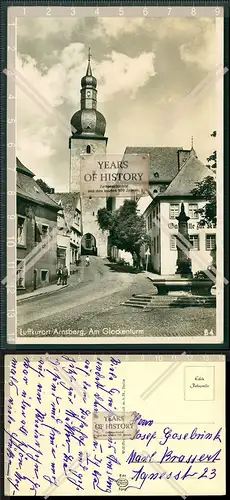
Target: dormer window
{"points": [[88, 149], [156, 174]]}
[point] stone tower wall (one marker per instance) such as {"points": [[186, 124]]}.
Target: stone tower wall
{"points": [[89, 206]]}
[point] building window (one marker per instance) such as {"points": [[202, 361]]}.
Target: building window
{"points": [[210, 241], [173, 210], [60, 221], [21, 231], [45, 275], [45, 232], [173, 239], [77, 219], [158, 244], [88, 149], [20, 274], [158, 212], [150, 221], [194, 240], [192, 211]]}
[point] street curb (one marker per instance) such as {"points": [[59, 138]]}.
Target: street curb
{"points": [[23, 299]]}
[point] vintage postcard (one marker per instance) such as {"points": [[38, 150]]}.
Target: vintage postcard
{"points": [[115, 175], [119, 425]]}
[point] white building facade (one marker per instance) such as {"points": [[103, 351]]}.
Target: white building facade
{"points": [[162, 227], [162, 224]]}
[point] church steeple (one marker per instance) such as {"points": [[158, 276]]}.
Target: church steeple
{"points": [[88, 90], [89, 70], [88, 121]]}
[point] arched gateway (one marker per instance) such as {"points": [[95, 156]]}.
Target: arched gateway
{"points": [[88, 244]]}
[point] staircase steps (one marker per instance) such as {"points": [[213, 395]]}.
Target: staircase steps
{"points": [[138, 301], [148, 302]]}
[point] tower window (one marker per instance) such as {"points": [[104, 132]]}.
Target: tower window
{"points": [[88, 149]]}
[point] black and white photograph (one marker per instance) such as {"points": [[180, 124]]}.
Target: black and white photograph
{"points": [[145, 267]]}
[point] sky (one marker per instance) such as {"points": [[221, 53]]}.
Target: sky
{"points": [[156, 85]]}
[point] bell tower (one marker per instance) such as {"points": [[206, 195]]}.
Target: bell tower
{"points": [[88, 137]]}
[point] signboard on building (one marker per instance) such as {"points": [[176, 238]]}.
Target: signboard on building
{"points": [[111, 175], [197, 225]]}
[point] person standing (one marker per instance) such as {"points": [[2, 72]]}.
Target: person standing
{"points": [[65, 275], [59, 276]]}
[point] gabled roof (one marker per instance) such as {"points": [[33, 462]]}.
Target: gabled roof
{"points": [[164, 161], [28, 188], [187, 178], [21, 168], [69, 202]]}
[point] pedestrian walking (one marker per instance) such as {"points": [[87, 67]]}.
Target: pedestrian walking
{"points": [[87, 261], [65, 275], [59, 276]]}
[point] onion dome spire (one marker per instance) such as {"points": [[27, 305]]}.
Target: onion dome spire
{"points": [[88, 120], [88, 81], [89, 70]]}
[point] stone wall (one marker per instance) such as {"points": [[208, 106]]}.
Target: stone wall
{"points": [[89, 206]]}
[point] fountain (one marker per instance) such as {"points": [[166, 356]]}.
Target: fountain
{"points": [[183, 283]]}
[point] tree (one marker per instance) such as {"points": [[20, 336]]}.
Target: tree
{"points": [[206, 189], [212, 157], [42, 184], [126, 228]]}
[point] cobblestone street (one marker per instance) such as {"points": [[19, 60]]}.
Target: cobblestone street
{"points": [[91, 306]]}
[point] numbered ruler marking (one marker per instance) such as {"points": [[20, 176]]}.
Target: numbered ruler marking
{"points": [[118, 11], [10, 279], [133, 358]]}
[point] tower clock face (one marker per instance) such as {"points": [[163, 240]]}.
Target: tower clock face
{"points": [[88, 93]]}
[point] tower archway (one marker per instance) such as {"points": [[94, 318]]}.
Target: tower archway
{"points": [[88, 244]]}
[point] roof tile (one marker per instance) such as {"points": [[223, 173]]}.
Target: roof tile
{"points": [[29, 189], [187, 178], [164, 161]]}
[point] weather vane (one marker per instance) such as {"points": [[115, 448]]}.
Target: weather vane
{"points": [[89, 54]]}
